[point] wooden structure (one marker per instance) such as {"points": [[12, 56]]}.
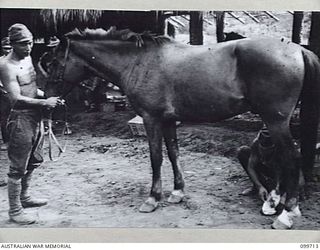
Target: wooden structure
{"points": [[297, 26], [196, 28], [314, 40]]}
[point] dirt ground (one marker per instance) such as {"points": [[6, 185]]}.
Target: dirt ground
{"points": [[105, 176]]}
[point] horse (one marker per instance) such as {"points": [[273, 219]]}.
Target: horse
{"points": [[166, 81]]}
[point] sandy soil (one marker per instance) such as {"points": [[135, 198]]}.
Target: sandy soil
{"points": [[105, 176]]}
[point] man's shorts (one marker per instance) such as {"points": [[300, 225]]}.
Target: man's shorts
{"points": [[24, 147]]}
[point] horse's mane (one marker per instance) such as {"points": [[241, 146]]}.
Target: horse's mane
{"points": [[113, 34]]}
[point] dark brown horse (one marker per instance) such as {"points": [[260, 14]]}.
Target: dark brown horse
{"points": [[166, 81]]}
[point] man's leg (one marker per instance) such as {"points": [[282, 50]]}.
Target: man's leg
{"points": [[36, 158], [243, 157], [19, 148], [26, 199]]}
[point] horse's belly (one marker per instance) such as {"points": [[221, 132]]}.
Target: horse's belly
{"points": [[212, 111]]}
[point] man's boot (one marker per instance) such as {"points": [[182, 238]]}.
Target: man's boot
{"points": [[26, 199], [16, 212]]}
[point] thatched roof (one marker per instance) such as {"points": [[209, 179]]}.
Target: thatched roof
{"points": [[53, 18], [44, 23]]}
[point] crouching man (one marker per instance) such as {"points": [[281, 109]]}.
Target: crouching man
{"points": [[18, 77], [258, 162]]}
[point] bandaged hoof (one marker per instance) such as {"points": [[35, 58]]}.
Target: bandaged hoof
{"points": [[149, 205], [267, 209], [295, 212], [284, 221], [274, 198], [269, 206], [176, 196]]}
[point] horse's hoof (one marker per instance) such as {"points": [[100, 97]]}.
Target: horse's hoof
{"points": [[274, 198], [176, 196], [296, 212], [267, 209], [277, 224], [283, 221], [269, 206], [149, 206]]}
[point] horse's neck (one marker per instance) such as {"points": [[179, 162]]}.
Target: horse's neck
{"points": [[111, 64]]}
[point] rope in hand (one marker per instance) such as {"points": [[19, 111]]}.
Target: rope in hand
{"points": [[53, 139]]}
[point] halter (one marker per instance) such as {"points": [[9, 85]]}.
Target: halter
{"points": [[62, 71], [51, 135]]}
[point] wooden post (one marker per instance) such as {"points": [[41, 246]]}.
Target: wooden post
{"points": [[160, 21], [196, 28], [220, 26], [314, 38], [297, 25]]}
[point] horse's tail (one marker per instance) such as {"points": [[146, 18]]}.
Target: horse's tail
{"points": [[309, 112]]}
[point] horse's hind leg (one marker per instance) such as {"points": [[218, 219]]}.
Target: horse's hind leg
{"points": [[170, 137], [287, 158], [154, 134]]}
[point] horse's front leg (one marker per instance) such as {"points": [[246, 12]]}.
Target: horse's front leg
{"points": [[170, 137], [154, 133]]}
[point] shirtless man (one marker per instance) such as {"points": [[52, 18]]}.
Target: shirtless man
{"points": [[18, 76], [259, 163], [256, 160]]}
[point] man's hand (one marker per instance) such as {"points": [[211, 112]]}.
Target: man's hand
{"points": [[263, 193], [52, 102]]}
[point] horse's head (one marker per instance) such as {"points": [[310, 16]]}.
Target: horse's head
{"points": [[65, 70]]}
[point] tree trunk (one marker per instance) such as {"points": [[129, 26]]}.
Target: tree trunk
{"points": [[314, 38], [196, 28], [220, 26], [297, 25]]}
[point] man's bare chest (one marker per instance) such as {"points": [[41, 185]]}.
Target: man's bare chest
{"points": [[25, 74]]}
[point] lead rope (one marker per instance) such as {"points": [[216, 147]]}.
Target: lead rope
{"points": [[52, 138]]}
